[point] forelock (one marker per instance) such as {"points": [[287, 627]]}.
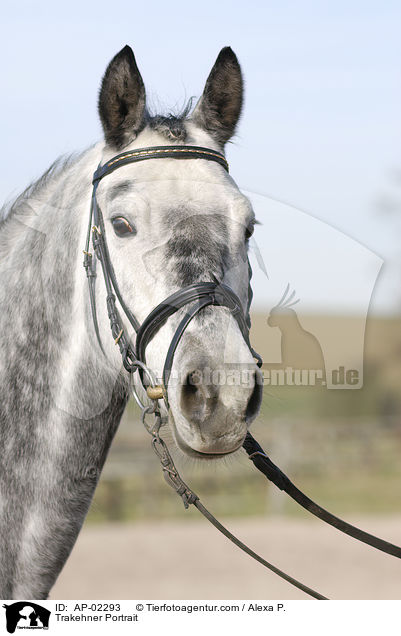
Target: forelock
{"points": [[172, 125]]}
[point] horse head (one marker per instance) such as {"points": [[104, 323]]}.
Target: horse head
{"points": [[170, 224]]}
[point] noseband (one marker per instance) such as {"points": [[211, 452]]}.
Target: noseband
{"points": [[198, 295]]}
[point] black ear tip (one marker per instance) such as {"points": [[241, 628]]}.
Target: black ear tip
{"points": [[228, 55], [126, 52]]}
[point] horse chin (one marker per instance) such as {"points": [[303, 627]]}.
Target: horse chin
{"points": [[210, 454]]}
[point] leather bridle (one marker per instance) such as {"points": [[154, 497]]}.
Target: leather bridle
{"points": [[197, 296]]}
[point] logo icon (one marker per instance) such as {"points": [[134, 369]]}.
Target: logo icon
{"points": [[26, 615]]}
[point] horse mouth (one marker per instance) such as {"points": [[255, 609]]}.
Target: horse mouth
{"points": [[210, 454]]}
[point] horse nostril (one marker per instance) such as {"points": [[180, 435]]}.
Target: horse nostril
{"points": [[255, 400], [198, 399], [193, 380]]}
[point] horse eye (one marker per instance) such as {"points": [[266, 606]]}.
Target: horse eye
{"points": [[249, 231], [121, 226]]}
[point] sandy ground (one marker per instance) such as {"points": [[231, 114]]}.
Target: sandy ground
{"points": [[189, 559]]}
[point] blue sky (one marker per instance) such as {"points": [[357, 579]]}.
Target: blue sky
{"points": [[321, 126]]}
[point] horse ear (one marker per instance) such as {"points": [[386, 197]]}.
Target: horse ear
{"points": [[122, 99], [219, 108]]}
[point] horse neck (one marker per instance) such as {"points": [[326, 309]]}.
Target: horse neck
{"points": [[48, 232], [58, 409]]}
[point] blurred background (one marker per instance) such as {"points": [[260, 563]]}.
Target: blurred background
{"points": [[320, 135]]}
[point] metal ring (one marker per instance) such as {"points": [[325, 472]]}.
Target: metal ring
{"points": [[142, 406], [152, 381], [145, 412], [151, 376]]}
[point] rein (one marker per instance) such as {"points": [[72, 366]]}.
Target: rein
{"points": [[197, 296]]}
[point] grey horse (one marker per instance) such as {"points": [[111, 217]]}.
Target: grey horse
{"points": [[168, 223]]}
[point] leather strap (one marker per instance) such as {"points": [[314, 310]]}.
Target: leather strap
{"points": [[90, 268], [275, 475], [242, 546], [177, 337], [159, 152], [215, 293]]}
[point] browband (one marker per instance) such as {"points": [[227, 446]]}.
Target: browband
{"points": [[159, 152]]}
